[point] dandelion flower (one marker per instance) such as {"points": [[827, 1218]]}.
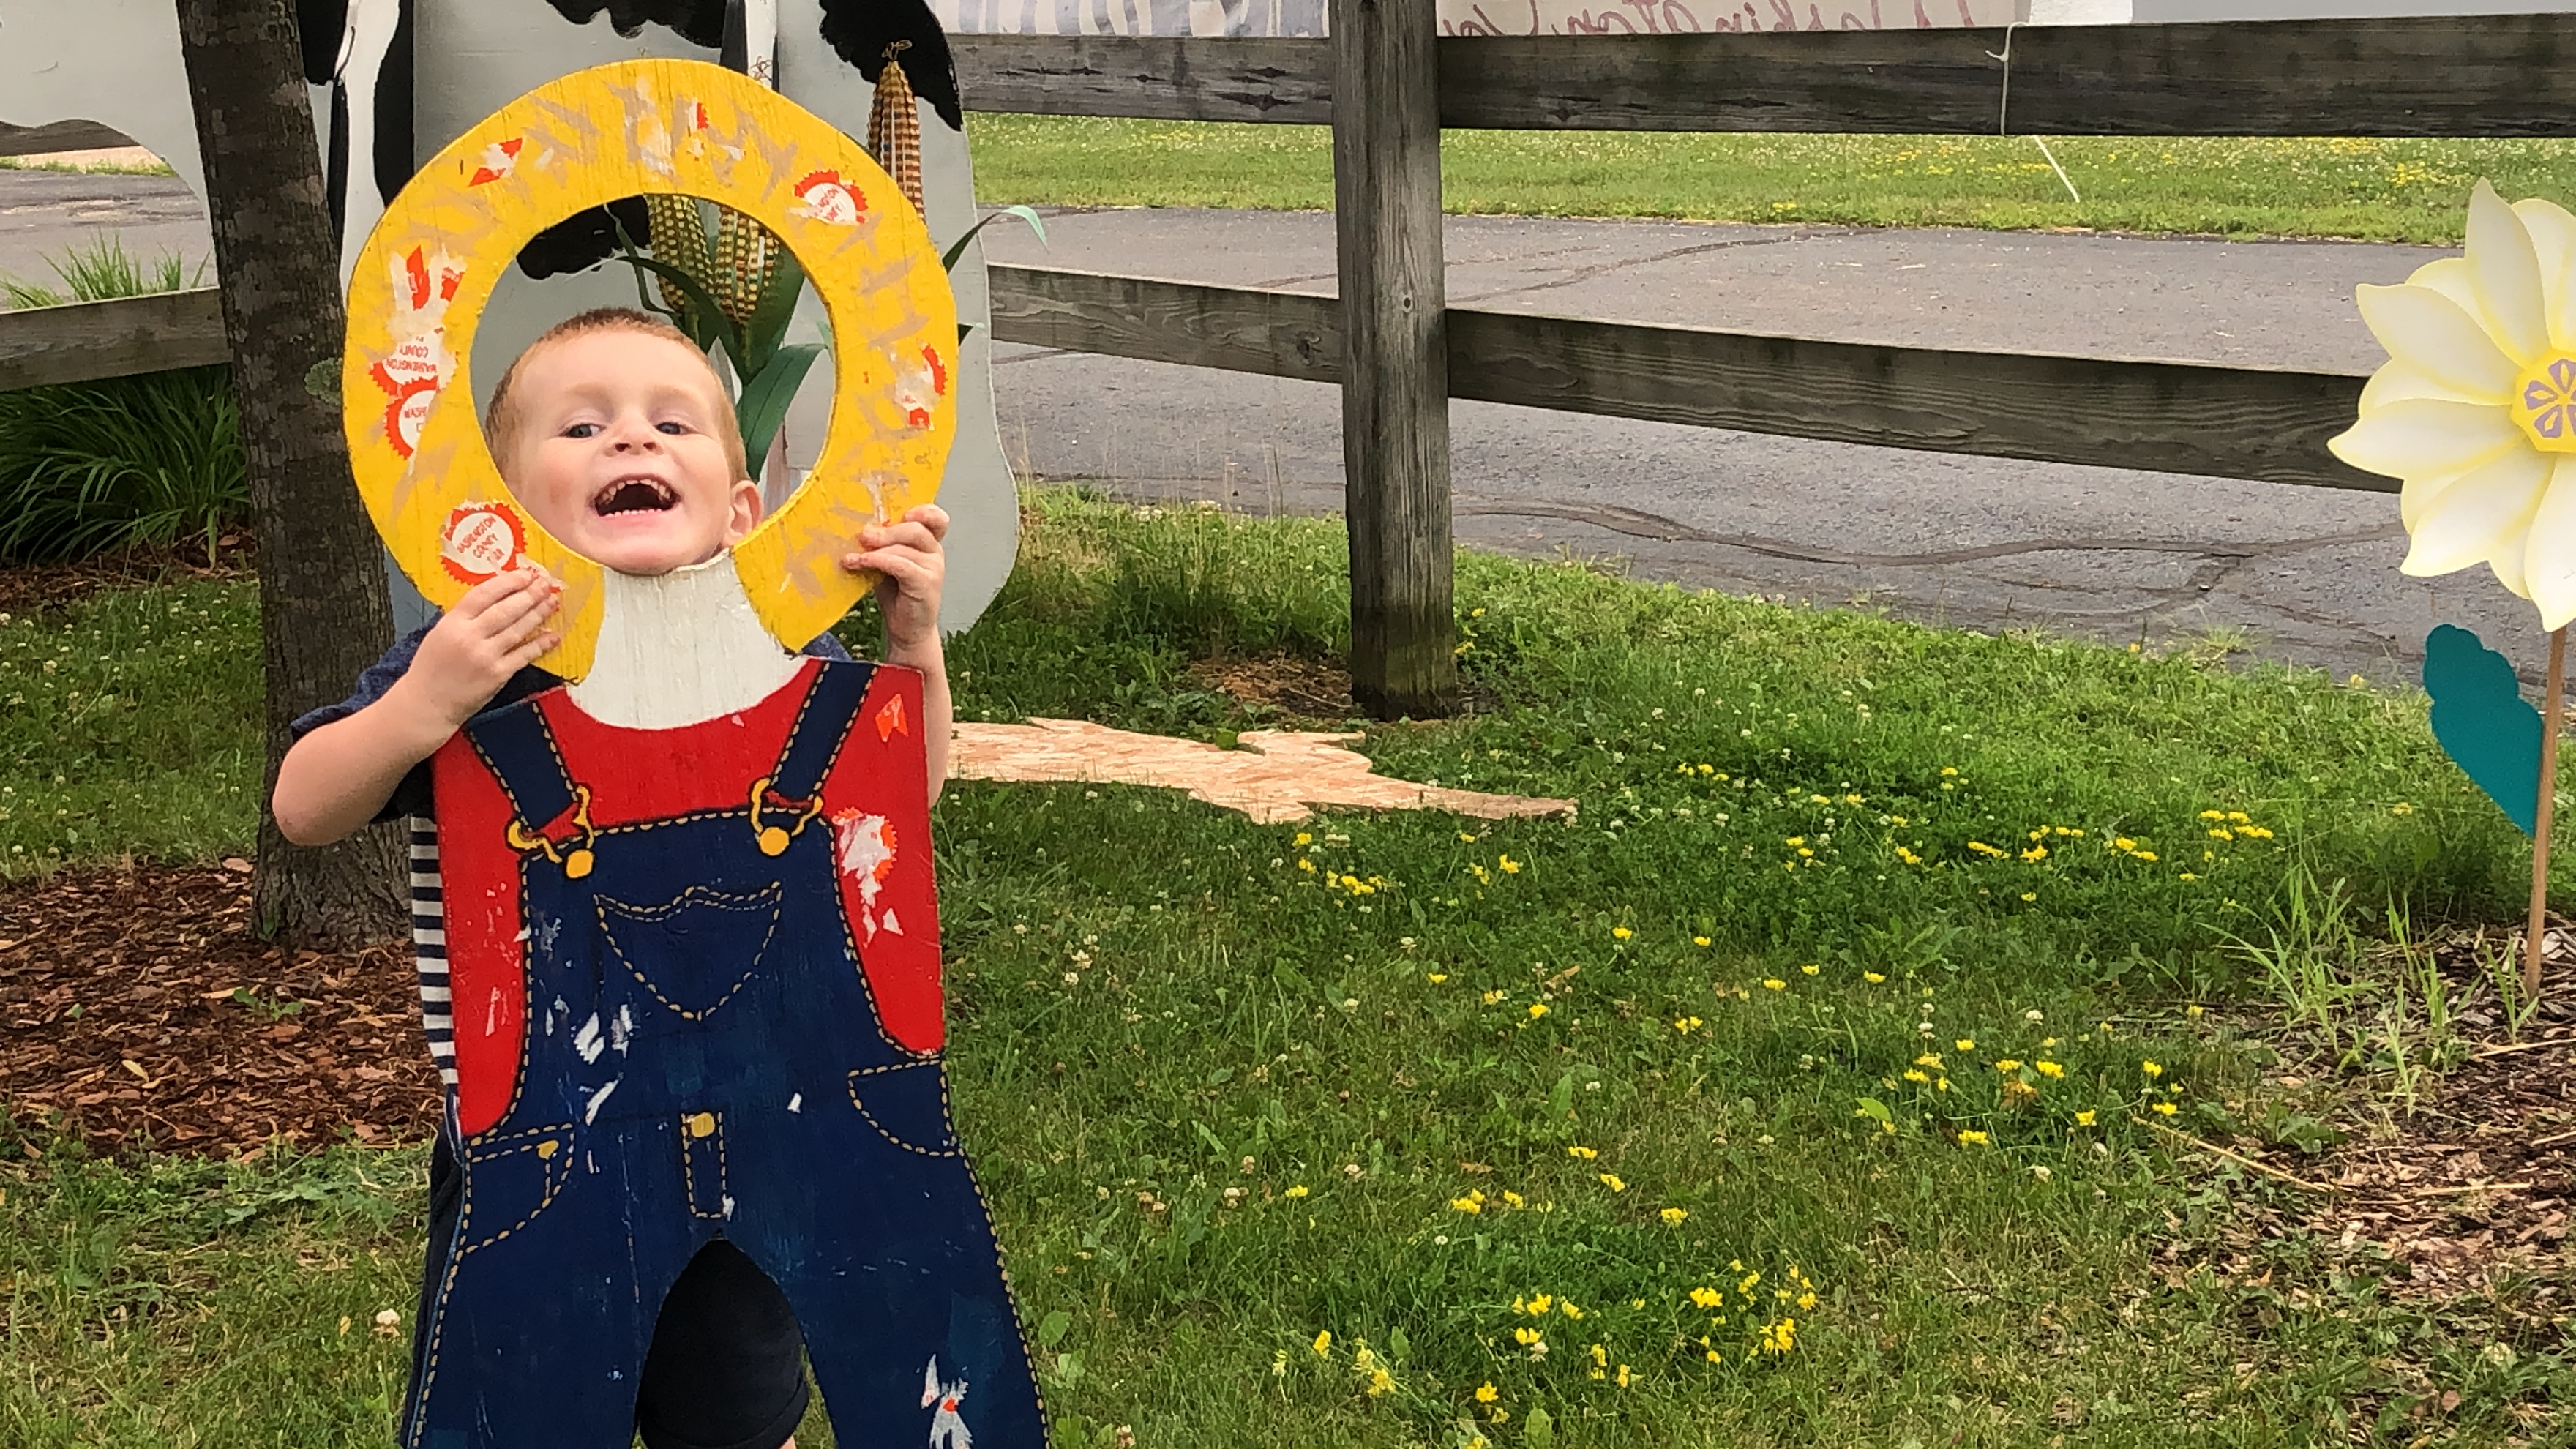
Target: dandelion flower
{"points": [[1537, 1009], [1967, 1043], [1620, 933], [1323, 1343], [1673, 1216], [2084, 1118], [1487, 1393], [2166, 1109]]}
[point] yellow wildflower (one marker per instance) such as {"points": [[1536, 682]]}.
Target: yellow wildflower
{"points": [[1513, 1199], [1972, 1137], [1915, 1074], [1437, 977], [1611, 1181], [1487, 1393], [1298, 1191], [1810, 970], [2008, 1064], [1927, 1060], [1701, 941], [1623, 1376], [2084, 1118], [1673, 1216], [2151, 1069], [1323, 1343], [1967, 1043], [1872, 977], [1509, 865], [2166, 1109], [1620, 933], [1537, 1009], [1707, 1298], [2048, 1069], [1586, 1153], [1539, 1306], [1774, 983]]}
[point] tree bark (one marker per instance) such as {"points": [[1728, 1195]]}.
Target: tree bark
{"points": [[1395, 355], [323, 614]]}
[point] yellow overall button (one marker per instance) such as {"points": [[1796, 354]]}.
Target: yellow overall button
{"points": [[702, 1124]]}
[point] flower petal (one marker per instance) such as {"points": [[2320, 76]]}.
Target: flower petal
{"points": [[2423, 494], [2479, 517], [2395, 382], [2425, 436], [2449, 276], [2553, 240], [2506, 270], [2426, 332], [2549, 558]]}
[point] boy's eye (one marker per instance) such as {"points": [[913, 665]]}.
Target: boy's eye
{"points": [[673, 429], [582, 430]]}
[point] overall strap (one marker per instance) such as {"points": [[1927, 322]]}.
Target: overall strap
{"points": [[550, 812], [790, 796]]}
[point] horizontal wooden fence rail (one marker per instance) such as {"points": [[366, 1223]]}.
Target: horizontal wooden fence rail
{"points": [[2485, 75], [2173, 417], [85, 341], [60, 136]]}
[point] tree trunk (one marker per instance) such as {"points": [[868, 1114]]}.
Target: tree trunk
{"points": [[323, 615]]}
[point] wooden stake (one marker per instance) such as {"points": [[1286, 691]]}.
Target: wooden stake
{"points": [[2536, 934]]}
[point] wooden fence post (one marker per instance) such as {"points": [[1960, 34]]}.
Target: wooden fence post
{"points": [[1395, 359]]}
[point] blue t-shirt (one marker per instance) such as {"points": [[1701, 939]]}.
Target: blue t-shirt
{"points": [[411, 797]]}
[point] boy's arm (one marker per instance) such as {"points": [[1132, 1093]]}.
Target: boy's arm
{"points": [[912, 567], [337, 777]]}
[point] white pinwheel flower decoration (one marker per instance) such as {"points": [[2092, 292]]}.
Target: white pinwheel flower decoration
{"points": [[2476, 409]]}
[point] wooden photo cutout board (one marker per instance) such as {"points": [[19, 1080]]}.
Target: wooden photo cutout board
{"points": [[682, 969]]}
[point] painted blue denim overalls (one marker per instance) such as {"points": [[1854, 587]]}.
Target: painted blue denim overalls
{"points": [[703, 1057]]}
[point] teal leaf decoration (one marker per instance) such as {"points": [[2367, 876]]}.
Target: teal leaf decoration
{"points": [[2482, 720]]}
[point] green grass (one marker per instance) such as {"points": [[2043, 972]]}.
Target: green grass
{"points": [[1147, 992], [2377, 190], [151, 459]]}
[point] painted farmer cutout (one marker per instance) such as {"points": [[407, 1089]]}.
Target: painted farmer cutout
{"points": [[683, 974]]}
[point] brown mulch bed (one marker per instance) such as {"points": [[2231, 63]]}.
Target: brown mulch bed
{"points": [[1302, 688], [28, 587], [137, 1009], [2466, 1188]]}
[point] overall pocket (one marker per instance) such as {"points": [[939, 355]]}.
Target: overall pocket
{"points": [[510, 1178], [908, 1105], [694, 951]]}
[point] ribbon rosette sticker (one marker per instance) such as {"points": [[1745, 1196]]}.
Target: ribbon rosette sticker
{"points": [[2476, 409]]}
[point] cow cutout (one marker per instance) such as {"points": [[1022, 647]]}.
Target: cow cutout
{"points": [[396, 80]]}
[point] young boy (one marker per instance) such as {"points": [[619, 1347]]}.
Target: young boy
{"points": [[615, 434]]}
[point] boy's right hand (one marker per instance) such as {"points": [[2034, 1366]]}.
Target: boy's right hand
{"points": [[496, 630]]}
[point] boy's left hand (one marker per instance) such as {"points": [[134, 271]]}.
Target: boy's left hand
{"points": [[911, 568]]}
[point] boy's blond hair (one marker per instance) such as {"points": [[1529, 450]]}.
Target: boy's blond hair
{"points": [[501, 419]]}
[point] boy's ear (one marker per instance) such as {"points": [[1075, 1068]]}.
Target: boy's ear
{"points": [[745, 509]]}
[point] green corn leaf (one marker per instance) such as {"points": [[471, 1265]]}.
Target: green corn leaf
{"points": [[767, 326], [956, 249], [765, 396]]}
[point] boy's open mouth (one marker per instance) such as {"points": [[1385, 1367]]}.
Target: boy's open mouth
{"points": [[634, 495]]}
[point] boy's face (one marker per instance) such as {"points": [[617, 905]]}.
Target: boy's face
{"points": [[616, 452]]}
